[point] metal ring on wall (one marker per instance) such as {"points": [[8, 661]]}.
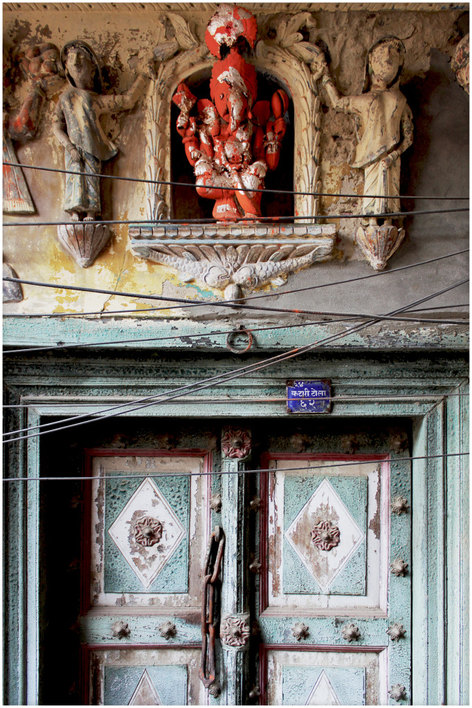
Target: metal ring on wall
{"points": [[237, 350]]}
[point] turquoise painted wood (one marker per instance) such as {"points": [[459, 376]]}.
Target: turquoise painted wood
{"points": [[166, 685], [348, 685], [411, 385]]}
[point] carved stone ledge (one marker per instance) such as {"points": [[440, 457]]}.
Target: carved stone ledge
{"points": [[234, 258]]}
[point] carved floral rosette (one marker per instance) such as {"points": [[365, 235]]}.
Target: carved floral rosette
{"points": [[147, 531], [325, 535], [235, 631], [254, 254], [236, 443]]}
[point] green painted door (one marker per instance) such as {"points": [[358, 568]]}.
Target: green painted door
{"points": [[315, 604]]}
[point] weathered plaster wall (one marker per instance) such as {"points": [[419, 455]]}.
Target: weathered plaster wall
{"points": [[124, 36]]}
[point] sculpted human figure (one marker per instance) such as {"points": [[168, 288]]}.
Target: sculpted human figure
{"points": [[385, 124], [77, 127], [233, 139], [385, 131]]}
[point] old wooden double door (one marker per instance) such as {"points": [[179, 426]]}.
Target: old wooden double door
{"points": [[312, 602]]}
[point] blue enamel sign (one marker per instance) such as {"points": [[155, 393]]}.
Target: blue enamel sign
{"points": [[309, 396]]}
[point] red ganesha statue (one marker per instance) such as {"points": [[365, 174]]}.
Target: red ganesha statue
{"points": [[233, 139]]}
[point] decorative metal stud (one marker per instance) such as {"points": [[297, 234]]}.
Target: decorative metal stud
{"points": [[255, 566], [255, 692], [396, 631], [325, 535], [300, 631], [255, 504], [215, 503], [168, 630], [397, 692], [120, 629], [350, 632], [215, 689], [400, 505], [399, 567]]}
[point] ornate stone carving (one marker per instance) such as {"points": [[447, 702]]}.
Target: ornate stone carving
{"points": [[120, 629], [77, 127], [257, 254], [396, 631], [399, 567], [387, 132], [39, 65], [325, 535], [244, 266], [350, 632], [460, 63], [147, 531], [399, 505], [235, 631], [168, 630], [397, 692], [300, 631], [236, 443]]}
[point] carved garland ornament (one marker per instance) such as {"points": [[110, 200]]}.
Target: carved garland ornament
{"points": [[235, 631], [325, 535], [147, 531]]}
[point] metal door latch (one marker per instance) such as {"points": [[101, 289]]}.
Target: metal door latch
{"points": [[210, 610]]}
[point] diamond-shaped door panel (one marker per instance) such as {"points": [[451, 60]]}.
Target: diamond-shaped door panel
{"points": [[147, 532], [145, 511], [324, 535], [328, 534]]}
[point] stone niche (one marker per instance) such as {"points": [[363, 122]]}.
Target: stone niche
{"points": [[240, 255]]}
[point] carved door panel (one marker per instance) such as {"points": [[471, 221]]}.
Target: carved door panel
{"points": [[315, 594], [142, 585], [334, 604]]}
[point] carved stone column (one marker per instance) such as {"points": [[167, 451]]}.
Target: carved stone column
{"points": [[235, 625]]}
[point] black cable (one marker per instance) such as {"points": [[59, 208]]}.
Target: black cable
{"points": [[241, 301], [169, 183], [344, 317], [156, 475], [218, 378], [260, 219]]}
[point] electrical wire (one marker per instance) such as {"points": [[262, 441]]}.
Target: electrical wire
{"points": [[169, 183], [134, 452], [241, 301], [344, 317], [214, 380], [283, 220]]}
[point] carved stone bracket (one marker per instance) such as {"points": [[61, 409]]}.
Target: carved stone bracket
{"points": [[234, 258], [235, 631], [84, 242], [236, 443]]}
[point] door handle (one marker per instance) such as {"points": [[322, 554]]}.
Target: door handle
{"points": [[210, 606]]}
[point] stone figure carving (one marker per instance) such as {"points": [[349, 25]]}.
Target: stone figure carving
{"points": [[39, 65], [233, 139], [385, 128], [77, 127]]}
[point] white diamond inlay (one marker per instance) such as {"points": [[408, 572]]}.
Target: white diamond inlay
{"points": [[324, 504], [323, 693], [146, 561], [145, 693]]}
